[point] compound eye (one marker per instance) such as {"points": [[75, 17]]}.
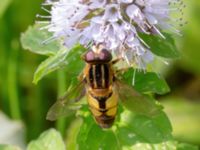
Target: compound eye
{"points": [[105, 55], [89, 56]]}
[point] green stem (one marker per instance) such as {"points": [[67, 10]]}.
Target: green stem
{"points": [[12, 86], [60, 124], [3, 66]]}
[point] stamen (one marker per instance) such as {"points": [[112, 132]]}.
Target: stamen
{"points": [[42, 22], [134, 74], [46, 10], [41, 16], [158, 32], [52, 38]]}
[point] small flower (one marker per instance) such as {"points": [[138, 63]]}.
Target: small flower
{"points": [[94, 4], [113, 23]]}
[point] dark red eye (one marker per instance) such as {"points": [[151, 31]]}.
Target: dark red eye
{"points": [[105, 55], [89, 56]]}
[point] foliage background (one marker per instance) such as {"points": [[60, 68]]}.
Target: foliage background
{"points": [[21, 100]]}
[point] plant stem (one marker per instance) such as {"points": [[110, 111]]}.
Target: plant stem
{"points": [[60, 124], [12, 85]]}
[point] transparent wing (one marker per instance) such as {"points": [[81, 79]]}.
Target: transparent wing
{"points": [[67, 103], [136, 102]]}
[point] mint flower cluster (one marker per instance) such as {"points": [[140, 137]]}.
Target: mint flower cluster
{"points": [[113, 23]]}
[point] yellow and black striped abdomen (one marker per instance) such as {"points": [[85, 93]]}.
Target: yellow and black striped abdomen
{"points": [[102, 99], [103, 108]]}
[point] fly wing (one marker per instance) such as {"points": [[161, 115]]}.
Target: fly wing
{"points": [[136, 102], [67, 103]]}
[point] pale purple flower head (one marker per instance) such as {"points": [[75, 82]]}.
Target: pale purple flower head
{"points": [[113, 23]]}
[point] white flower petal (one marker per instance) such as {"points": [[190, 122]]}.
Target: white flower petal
{"points": [[126, 1], [111, 13], [115, 24], [151, 19], [97, 4], [148, 56], [133, 11]]}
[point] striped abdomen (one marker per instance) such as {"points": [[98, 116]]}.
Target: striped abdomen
{"points": [[102, 98]]}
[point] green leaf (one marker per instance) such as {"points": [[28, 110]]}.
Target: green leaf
{"points": [[146, 82], [74, 63], [49, 65], [9, 147], [131, 132], [3, 6], [59, 56], [72, 133], [70, 59], [32, 40], [49, 140], [160, 46]]}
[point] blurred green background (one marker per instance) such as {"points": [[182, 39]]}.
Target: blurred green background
{"points": [[27, 104]]}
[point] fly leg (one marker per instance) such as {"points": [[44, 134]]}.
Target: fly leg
{"points": [[81, 76], [122, 70], [116, 60]]}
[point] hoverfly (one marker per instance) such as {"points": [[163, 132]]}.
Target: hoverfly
{"points": [[98, 81]]}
